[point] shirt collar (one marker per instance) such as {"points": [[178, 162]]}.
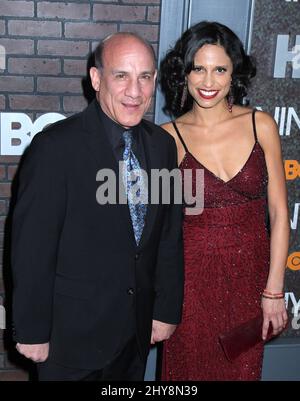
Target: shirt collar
{"points": [[114, 130]]}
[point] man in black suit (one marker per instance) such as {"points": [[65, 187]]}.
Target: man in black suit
{"points": [[95, 284]]}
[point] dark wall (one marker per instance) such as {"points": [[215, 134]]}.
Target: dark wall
{"points": [[278, 93], [44, 48]]}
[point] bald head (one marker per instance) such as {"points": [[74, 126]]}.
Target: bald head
{"points": [[124, 77], [108, 44]]}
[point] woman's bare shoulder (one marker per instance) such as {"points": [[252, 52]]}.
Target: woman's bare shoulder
{"points": [[239, 111], [267, 131], [265, 121], [168, 126], [262, 118]]}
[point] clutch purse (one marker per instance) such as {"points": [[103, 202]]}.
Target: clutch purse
{"points": [[243, 337]]}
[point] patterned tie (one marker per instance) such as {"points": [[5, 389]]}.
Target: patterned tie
{"points": [[135, 198]]}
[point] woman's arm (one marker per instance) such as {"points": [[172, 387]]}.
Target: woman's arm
{"points": [[268, 137]]}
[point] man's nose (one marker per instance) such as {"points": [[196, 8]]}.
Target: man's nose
{"points": [[133, 88]]}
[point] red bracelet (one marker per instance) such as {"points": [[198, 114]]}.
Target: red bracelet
{"points": [[273, 294], [277, 297]]}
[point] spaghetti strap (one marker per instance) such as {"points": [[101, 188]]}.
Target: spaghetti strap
{"points": [[180, 137], [254, 126]]}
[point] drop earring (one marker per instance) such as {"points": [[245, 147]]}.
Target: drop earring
{"points": [[230, 99], [184, 95]]}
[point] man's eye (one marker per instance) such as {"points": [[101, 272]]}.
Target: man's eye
{"points": [[120, 76], [147, 77], [221, 69]]}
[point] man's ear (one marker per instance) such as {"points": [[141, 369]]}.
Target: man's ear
{"points": [[95, 78], [155, 77]]}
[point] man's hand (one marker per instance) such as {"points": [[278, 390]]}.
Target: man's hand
{"points": [[161, 331], [35, 352]]}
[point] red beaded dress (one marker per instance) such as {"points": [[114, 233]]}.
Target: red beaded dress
{"points": [[226, 250]]}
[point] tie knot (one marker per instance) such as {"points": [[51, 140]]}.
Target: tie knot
{"points": [[127, 135]]}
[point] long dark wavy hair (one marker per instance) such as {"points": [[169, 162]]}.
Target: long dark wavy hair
{"points": [[179, 62]]}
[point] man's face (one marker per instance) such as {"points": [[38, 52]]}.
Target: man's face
{"points": [[126, 82]]}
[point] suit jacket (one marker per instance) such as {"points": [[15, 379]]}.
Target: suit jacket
{"points": [[79, 279]]}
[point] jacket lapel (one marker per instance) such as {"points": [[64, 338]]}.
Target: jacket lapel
{"points": [[103, 157], [96, 139], [153, 162]]}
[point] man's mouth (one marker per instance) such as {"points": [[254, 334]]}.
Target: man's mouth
{"points": [[130, 106]]}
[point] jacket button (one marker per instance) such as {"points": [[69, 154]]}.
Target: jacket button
{"points": [[130, 291], [137, 255]]}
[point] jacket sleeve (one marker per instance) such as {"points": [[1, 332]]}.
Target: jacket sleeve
{"points": [[37, 221], [169, 269]]}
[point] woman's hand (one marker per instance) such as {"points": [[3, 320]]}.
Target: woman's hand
{"points": [[274, 311]]}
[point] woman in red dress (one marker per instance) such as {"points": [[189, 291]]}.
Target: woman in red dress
{"points": [[233, 268]]}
